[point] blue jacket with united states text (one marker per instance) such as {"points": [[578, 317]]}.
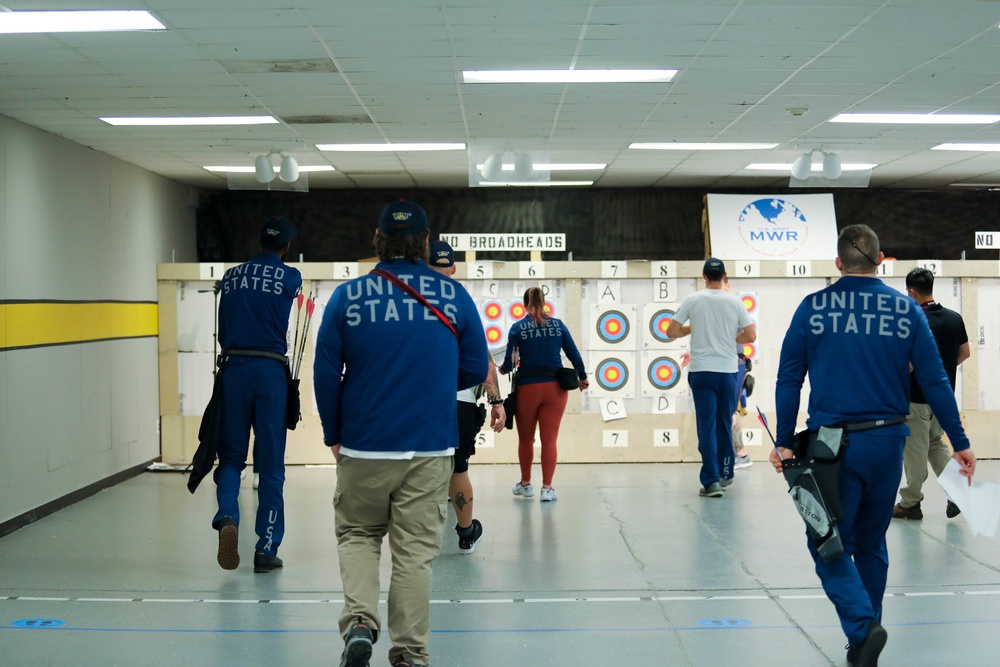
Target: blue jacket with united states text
{"points": [[387, 369]]}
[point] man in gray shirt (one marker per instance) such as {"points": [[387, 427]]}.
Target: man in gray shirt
{"points": [[715, 316]]}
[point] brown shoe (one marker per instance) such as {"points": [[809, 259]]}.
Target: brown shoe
{"points": [[229, 538], [900, 512]]}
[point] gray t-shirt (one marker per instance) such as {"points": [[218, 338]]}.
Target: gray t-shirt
{"points": [[715, 316]]}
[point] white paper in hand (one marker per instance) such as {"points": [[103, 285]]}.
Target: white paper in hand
{"points": [[980, 503]]}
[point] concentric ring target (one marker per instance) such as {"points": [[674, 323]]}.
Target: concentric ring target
{"points": [[750, 301], [749, 350], [612, 374], [612, 326], [492, 310], [494, 335], [550, 309], [664, 373], [658, 324], [517, 310]]}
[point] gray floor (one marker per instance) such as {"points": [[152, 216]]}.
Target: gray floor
{"points": [[629, 566]]}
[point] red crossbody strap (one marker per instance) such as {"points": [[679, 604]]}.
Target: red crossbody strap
{"points": [[419, 297]]}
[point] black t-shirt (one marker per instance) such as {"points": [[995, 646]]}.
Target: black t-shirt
{"points": [[949, 333]]}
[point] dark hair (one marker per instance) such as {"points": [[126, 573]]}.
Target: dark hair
{"points": [[920, 281], [857, 248], [267, 243], [534, 301], [412, 247]]}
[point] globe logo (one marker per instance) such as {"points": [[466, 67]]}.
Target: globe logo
{"points": [[773, 227]]}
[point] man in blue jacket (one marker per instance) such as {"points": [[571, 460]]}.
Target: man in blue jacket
{"points": [[393, 349], [254, 307], [856, 339]]}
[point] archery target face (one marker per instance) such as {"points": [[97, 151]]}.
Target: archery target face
{"points": [[656, 318], [663, 373], [550, 309], [494, 335], [492, 311], [517, 310], [750, 301], [612, 375], [612, 328], [750, 350], [660, 373]]}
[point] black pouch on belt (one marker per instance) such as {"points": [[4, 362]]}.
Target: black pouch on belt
{"points": [[813, 483], [293, 407]]}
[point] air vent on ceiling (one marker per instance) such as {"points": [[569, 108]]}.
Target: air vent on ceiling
{"points": [[326, 120], [279, 66]]}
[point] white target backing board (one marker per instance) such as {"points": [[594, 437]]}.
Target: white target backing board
{"points": [[656, 317], [611, 373], [613, 327], [196, 324], [660, 372], [194, 382]]}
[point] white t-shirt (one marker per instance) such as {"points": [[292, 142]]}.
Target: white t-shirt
{"points": [[716, 317]]}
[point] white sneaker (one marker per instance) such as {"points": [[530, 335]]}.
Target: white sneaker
{"points": [[548, 494], [523, 491], [742, 462]]}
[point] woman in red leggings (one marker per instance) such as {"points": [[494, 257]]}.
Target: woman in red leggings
{"points": [[533, 345]]}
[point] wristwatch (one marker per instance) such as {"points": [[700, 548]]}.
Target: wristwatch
{"points": [[499, 401]]}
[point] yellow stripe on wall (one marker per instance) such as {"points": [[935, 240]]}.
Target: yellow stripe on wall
{"points": [[40, 323]]}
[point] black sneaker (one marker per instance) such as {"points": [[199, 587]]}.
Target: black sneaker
{"points": [[229, 544], [265, 563], [914, 513], [713, 490], [467, 543], [952, 510], [357, 645], [867, 654]]}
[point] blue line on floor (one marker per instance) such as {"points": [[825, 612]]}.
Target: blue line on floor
{"points": [[503, 631]]}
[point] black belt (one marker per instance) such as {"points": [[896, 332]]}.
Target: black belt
{"points": [[854, 427], [537, 374], [253, 353]]}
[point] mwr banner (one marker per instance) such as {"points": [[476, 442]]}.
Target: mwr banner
{"points": [[777, 227]]}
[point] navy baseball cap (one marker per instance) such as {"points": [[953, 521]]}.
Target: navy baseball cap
{"points": [[402, 218], [278, 231], [714, 269], [441, 254]]}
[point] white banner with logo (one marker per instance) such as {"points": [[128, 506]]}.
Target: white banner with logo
{"points": [[774, 227]]}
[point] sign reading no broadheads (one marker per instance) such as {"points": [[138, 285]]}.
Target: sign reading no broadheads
{"points": [[987, 240]]}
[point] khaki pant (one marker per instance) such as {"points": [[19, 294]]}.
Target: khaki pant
{"points": [[923, 444], [406, 500]]}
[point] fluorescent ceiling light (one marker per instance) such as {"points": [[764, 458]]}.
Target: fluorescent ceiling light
{"points": [[568, 76], [78, 21], [917, 118], [389, 148], [532, 184], [568, 166], [250, 168], [671, 146], [975, 185], [816, 166], [194, 120], [976, 148]]}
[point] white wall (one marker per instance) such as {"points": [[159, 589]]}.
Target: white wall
{"points": [[76, 224]]}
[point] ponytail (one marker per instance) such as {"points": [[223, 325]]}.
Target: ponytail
{"points": [[534, 301]]}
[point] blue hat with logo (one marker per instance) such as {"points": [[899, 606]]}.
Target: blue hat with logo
{"points": [[714, 269], [441, 254], [277, 232], [402, 218]]}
